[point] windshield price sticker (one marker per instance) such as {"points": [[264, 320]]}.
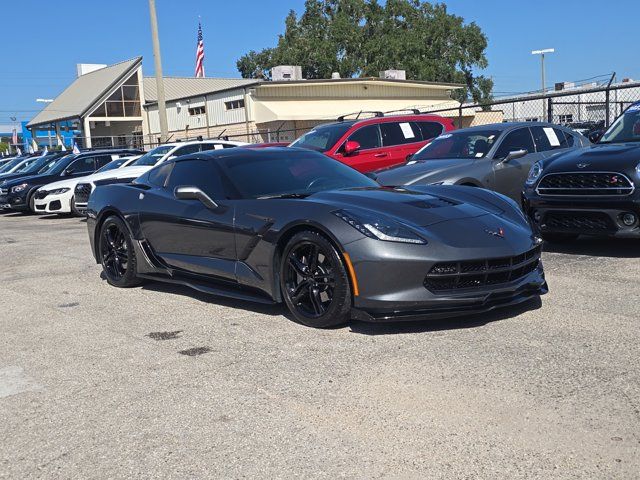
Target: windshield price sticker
{"points": [[407, 131], [551, 135]]}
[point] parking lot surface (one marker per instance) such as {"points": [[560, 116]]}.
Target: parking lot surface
{"points": [[163, 382]]}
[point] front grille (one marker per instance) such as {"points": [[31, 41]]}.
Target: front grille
{"points": [[82, 192], [479, 273], [579, 221], [40, 194], [585, 183]]}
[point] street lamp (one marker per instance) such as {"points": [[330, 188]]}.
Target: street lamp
{"points": [[544, 88]]}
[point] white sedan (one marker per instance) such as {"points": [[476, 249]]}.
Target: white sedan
{"points": [[57, 197]]}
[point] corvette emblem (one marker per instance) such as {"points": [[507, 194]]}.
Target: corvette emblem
{"points": [[496, 233], [583, 165]]}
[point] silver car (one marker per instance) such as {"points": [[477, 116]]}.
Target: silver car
{"points": [[497, 157]]}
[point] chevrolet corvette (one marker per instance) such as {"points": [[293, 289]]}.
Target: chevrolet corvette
{"points": [[294, 226]]}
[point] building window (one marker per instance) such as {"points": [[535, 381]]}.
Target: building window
{"points": [[531, 119], [234, 104], [567, 118], [124, 102], [196, 110]]}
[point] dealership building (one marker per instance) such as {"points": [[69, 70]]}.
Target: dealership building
{"points": [[116, 105]]}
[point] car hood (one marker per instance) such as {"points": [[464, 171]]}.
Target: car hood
{"points": [[68, 183], [31, 179], [124, 172], [413, 206], [619, 157], [421, 171]]}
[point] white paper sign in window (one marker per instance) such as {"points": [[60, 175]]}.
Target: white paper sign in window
{"points": [[407, 131], [217, 146], [551, 135]]}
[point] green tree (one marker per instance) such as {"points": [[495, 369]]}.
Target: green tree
{"points": [[4, 147], [359, 38]]}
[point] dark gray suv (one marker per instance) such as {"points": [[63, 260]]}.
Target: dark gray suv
{"points": [[497, 156]]}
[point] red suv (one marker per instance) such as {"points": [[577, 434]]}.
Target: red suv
{"points": [[374, 143]]}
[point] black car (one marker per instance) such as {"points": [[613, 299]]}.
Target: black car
{"points": [[292, 225], [18, 193], [590, 191], [34, 166]]}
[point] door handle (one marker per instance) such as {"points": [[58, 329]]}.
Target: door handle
{"points": [[381, 155]]}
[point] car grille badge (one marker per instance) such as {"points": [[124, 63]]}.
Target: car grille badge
{"points": [[583, 165], [496, 233]]}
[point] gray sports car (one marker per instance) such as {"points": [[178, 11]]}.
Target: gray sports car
{"points": [[294, 226], [497, 157]]}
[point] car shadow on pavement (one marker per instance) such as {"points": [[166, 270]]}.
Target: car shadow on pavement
{"points": [[597, 247], [456, 323]]}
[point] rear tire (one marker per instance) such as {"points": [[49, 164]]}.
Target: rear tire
{"points": [[116, 253], [559, 237], [314, 281]]}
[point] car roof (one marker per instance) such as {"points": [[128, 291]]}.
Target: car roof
{"points": [[501, 127], [268, 152], [389, 118]]}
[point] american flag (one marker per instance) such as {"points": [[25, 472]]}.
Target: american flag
{"points": [[200, 54]]}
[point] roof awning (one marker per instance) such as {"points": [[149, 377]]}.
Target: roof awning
{"points": [[329, 110]]}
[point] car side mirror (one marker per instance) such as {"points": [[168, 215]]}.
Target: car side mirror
{"points": [[351, 147], [595, 136], [514, 155], [189, 192]]}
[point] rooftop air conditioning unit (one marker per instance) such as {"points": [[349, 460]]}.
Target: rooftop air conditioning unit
{"points": [[286, 72], [394, 74]]}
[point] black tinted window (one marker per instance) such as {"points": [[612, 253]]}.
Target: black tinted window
{"points": [[82, 165], [158, 175], [367, 137], [430, 129], [397, 133], [565, 138], [212, 146], [102, 160], [198, 173], [519, 139], [186, 150]]}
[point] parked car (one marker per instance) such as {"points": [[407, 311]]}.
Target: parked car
{"points": [[497, 157], [294, 226], [162, 153], [32, 166], [57, 197], [18, 194], [374, 143], [591, 191]]}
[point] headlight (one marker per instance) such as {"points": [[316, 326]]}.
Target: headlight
{"points": [[19, 188], [58, 191], [379, 227], [534, 173]]}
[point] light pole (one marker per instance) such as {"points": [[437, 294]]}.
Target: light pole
{"points": [[544, 88], [162, 108]]}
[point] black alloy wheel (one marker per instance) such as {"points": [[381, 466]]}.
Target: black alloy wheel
{"points": [[117, 255], [314, 281]]}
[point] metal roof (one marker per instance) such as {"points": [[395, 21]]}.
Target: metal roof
{"points": [[176, 88], [84, 93]]}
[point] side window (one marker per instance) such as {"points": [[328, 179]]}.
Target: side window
{"points": [[186, 150], [566, 139], [430, 129], [519, 139], [367, 137], [82, 165], [212, 146], [102, 160], [198, 173], [158, 176], [398, 133]]}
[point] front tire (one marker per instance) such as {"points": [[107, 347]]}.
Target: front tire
{"points": [[314, 282], [117, 255]]}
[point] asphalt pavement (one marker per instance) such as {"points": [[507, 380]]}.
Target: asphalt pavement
{"points": [[163, 382]]}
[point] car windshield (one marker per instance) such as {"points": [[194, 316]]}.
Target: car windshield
{"points": [[626, 128], [10, 164], [35, 167], [322, 138], [113, 165], [152, 157], [461, 144], [49, 165], [296, 175], [24, 166]]}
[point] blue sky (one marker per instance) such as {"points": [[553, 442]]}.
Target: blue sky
{"points": [[46, 40]]}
